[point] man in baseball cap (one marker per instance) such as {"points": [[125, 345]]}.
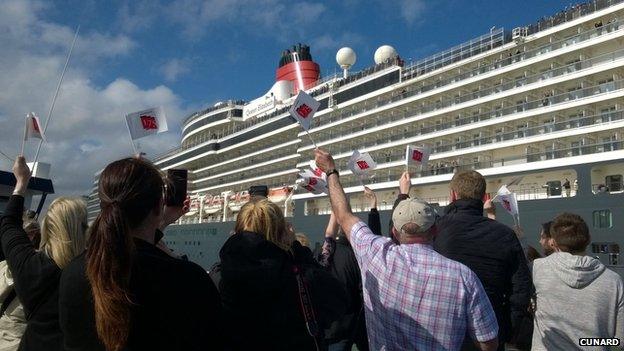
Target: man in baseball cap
{"points": [[414, 298], [414, 222]]}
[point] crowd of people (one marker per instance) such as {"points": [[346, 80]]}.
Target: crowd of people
{"points": [[458, 280]]}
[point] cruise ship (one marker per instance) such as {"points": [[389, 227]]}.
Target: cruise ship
{"points": [[533, 106]]}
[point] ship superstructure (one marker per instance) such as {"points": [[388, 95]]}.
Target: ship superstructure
{"points": [[542, 102]]}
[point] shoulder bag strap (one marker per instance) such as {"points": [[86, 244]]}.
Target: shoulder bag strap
{"points": [[306, 307]]}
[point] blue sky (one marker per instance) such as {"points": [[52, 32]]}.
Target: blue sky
{"points": [[188, 54], [232, 55]]}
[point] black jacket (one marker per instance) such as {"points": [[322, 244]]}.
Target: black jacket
{"points": [[491, 250], [177, 306], [261, 298], [36, 279]]}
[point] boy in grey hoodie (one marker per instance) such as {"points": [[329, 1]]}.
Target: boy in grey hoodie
{"points": [[577, 296]]}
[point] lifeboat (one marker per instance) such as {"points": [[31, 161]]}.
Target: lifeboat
{"points": [[215, 205], [279, 195], [194, 206], [236, 201]]}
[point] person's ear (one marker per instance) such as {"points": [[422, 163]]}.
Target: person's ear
{"points": [[453, 195], [553, 244], [395, 235]]}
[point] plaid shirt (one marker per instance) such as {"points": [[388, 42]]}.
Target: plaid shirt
{"points": [[416, 299]]}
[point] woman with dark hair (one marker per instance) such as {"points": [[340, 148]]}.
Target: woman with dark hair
{"points": [[124, 293]]}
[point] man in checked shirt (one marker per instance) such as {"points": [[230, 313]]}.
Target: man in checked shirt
{"points": [[415, 298]]}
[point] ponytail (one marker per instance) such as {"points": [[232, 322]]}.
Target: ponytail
{"points": [[129, 190]]}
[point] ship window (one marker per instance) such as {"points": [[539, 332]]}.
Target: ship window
{"points": [[614, 182], [602, 219]]}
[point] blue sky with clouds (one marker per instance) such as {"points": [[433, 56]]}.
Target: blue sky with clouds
{"points": [[218, 49], [188, 54]]}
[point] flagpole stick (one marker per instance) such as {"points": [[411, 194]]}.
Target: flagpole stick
{"points": [[58, 87], [132, 140], [312, 140], [5, 155], [25, 134]]}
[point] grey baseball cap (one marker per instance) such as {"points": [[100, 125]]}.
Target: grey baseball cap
{"points": [[414, 211]]}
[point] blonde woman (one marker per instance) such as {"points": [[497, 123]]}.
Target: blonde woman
{"points": [[261, 268], [35, 273]]}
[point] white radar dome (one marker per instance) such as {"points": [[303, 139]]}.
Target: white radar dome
{"points": [[346, 57], [383, 53]]}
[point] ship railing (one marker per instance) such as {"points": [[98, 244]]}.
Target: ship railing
{"points": [[481, 44], [581, 37], [616, 188], [330, 118], [244, 163], [535, 193], [227, 103], [448, 167], [603, 118], [570, 14], [496, 113]]}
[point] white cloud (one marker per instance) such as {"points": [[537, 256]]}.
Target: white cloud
{"points": [[87, 129], [272, 18], [174, 68], [411, 10]]}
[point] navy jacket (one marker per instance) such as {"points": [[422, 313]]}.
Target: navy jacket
{"points": [[36, 281], [491, 250]]}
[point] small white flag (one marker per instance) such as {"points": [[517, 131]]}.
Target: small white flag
{"points": [[316, 172], [361, 163], [312, 183], [146, 122], [33, 128], [416, 155], [509, 201], [303, 109]]}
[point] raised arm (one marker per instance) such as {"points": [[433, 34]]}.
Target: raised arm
{"points": [[374, 221], [21, 256], [340, 205], [332, 227]]}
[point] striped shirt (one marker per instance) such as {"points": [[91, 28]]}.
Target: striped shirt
{"points": [[416, 299]]}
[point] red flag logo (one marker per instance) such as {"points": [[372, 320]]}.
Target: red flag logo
{"points": [[507, 205], [309, 188], [312, 181], [417, 155], [317, 172], [304, 110], [362, 164], [148, 122], [35, 125]]}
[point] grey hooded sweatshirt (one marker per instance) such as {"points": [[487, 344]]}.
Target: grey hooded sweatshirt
{"points": [[577, 297]]}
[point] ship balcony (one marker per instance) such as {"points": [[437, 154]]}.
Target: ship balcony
{"points": [[570, 147], [324, 121], [249, 165], [275, 174], [498, 64], [412, 127]]}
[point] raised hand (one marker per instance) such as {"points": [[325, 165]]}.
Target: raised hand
{"points": [[371, 196], [22, 174], [324, 160], [405, 182]]}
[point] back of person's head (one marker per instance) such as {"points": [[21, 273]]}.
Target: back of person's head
{"points": [[570, 233], [303, 239], [131, 193], [263, 217], [413, 221], [468, 185], [64, 230], [546, 229]]}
